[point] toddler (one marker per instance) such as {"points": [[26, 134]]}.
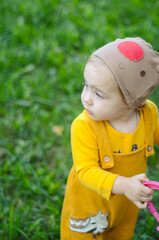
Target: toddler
{"points": [[111, 140]]}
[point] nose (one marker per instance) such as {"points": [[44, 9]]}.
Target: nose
{"points": [[87, 98]]}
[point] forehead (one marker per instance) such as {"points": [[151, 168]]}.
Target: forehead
{"points": [[99, 76]]}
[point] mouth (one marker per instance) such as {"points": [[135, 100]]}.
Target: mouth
{"points": [[89, 112]]}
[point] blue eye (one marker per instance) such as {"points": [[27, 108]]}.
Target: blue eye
{"points": [[99, 95]]}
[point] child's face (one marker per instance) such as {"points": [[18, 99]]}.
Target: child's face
{"points": [[101, 96]]}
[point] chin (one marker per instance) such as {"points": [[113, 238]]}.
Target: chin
{"points": [[94, 118]]}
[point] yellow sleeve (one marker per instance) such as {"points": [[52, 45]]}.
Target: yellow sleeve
{"points": [[86, 159], [156, 136], [155, 123]]}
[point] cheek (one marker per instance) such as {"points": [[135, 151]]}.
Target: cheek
{"points": [[100, 107]]}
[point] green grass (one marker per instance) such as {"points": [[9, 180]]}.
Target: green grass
{"points": [[43, 49]]}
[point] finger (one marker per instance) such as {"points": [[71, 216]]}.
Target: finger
{"points": [[146, 190], [145, 199], [141, 205], [143, 177]]}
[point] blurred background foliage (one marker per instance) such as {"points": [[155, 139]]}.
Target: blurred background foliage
{"points": [[44, 46]]}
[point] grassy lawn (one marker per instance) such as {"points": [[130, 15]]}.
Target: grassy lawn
{"points": [[44, 46]]}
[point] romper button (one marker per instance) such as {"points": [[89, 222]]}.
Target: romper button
{"points": [[149, 148], [106, 159]]}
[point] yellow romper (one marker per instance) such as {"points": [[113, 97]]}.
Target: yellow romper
{"points": [[90, 210]]}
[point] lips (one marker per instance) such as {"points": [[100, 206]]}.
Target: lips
{"points": [[89, 112]]}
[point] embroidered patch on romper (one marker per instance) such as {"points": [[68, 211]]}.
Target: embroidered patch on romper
{"points": [[95, 224]]}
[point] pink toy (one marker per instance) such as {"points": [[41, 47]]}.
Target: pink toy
{"points": [[152, 209]]}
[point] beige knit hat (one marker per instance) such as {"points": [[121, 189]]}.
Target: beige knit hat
{"points": [[135, 66]]}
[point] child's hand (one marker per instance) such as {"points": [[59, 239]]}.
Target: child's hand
{"points": [[133, 189]]}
